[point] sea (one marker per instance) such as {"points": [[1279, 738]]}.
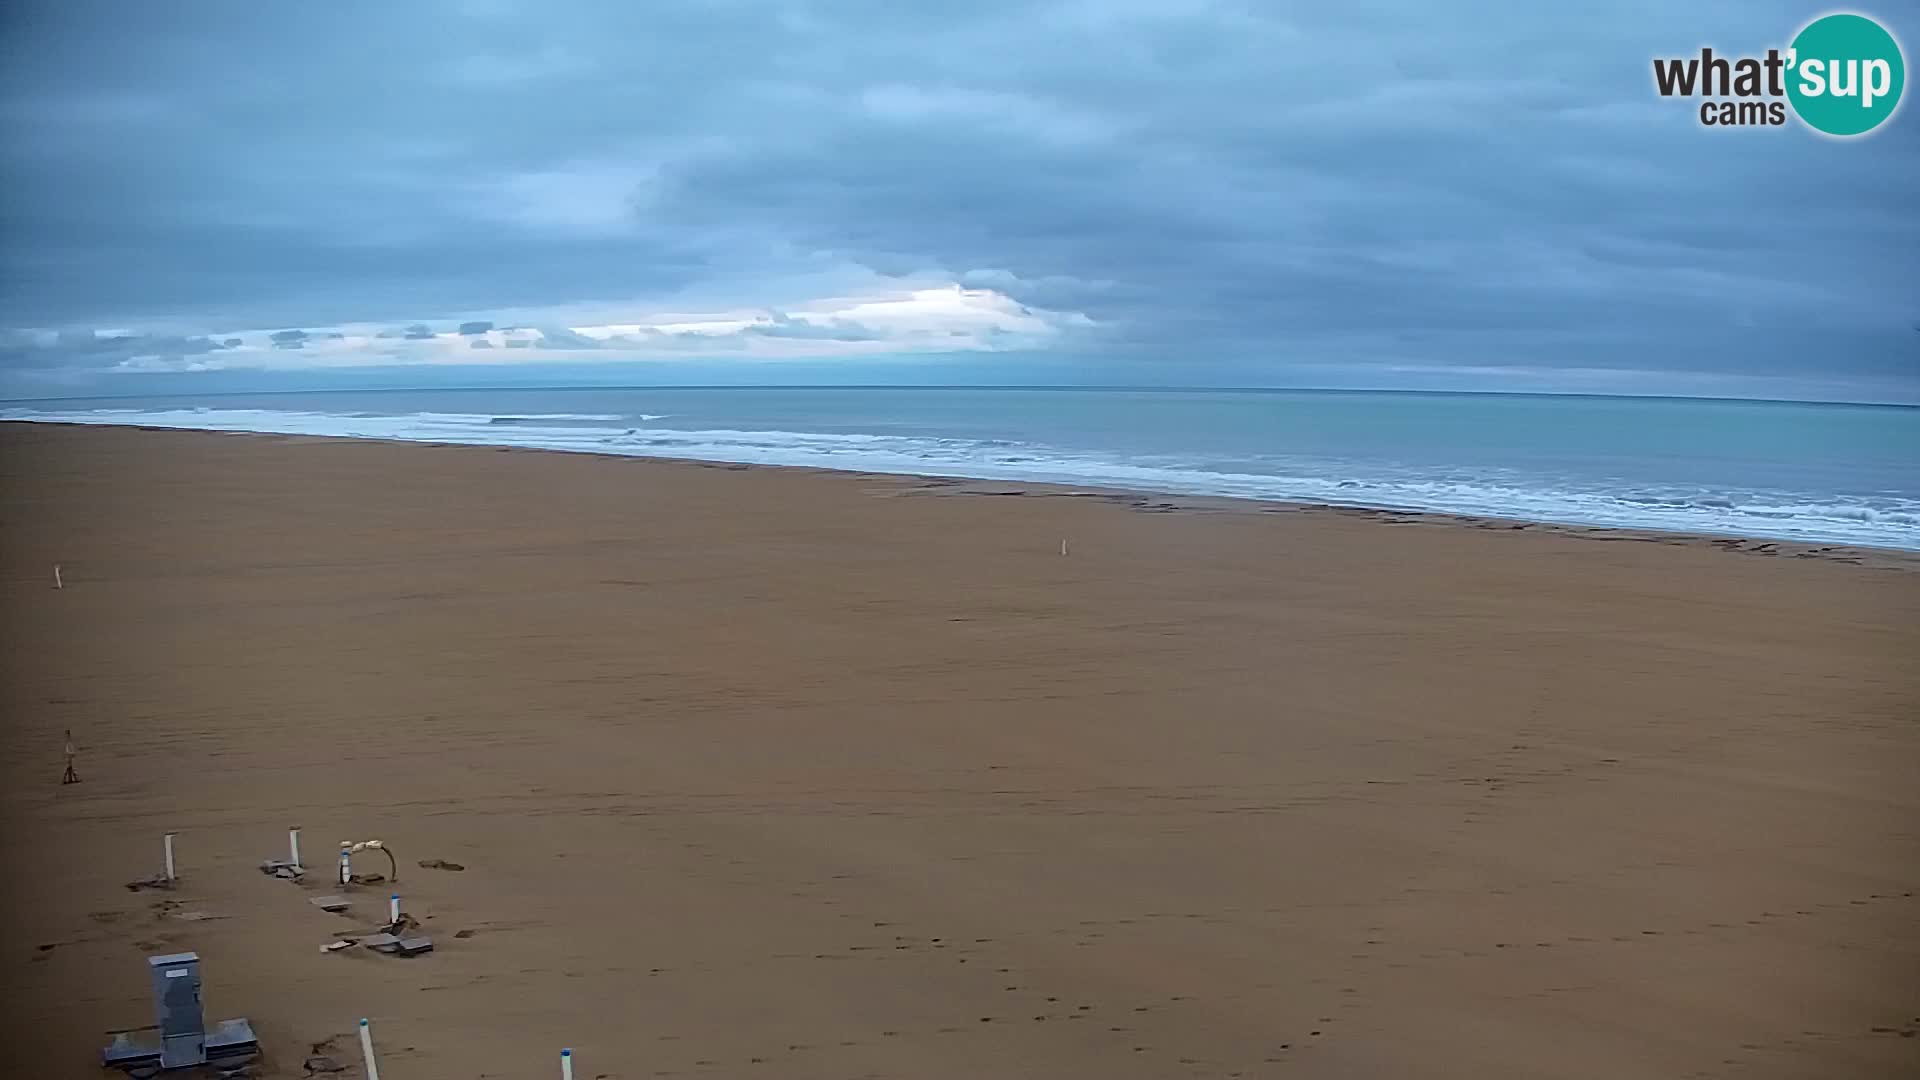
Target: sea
{"points": [[1830, 473]]}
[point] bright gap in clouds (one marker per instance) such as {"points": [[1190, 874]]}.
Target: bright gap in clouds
{"points": [[945, 319]]}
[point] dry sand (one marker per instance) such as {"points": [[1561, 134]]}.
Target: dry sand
{"points": [[778, 773]]}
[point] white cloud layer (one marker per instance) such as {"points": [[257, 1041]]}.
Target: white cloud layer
{"points": [[944, 319]]}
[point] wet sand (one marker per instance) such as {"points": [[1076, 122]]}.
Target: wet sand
{"points": [[782, 773]]}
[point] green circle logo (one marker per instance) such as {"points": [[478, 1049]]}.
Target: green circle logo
{"points": [[1845, 74]]}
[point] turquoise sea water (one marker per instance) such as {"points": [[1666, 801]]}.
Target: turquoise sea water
{"points": [[1831, 473]]}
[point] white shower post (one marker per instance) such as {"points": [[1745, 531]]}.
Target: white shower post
{"points": [[366, 1050]]}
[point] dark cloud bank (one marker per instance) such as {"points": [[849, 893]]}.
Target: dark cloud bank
{"points": [[1478, 196]]}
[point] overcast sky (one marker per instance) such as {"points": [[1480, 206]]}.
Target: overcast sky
{"points": [[1361, 192]]}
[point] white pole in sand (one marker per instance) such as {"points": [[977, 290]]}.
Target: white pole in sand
{"points": [[293, 846], [366, 1050], [1063, 547], [346, 862], [566, 1065], [170, 873], [393, 908], [56, 577]]}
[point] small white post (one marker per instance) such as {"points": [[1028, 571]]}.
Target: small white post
{"points": [[1063, 547], [170, 874], [56, 577], [393, 908], [366, 1050], [346, 862], [293, 846], [566, 1065]]}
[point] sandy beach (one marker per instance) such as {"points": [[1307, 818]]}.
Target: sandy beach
{"points": [[767, 772]]}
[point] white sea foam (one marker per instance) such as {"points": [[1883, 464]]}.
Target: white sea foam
{"points": [[1886, 520], [559, 416]]}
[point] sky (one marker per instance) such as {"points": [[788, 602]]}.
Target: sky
{"points": [[1390, 193]]}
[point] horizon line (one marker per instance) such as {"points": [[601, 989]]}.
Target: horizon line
{"points": [[1047, 387]]}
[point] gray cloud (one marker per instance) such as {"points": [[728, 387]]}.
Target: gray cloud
{"points": [[23, 350], [1223, 187], [785, 326], [563, 338]]}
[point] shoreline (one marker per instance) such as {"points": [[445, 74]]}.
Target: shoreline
{"points": [[1890, 558]]}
